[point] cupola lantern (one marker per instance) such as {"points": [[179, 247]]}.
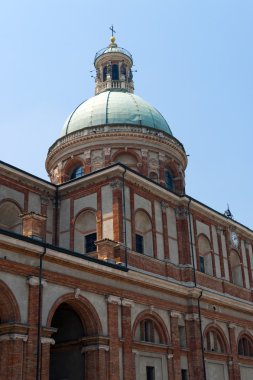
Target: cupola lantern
{"points": [[113, 66]]}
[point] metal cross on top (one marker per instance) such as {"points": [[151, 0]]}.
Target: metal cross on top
{"points": [[113, 31]]}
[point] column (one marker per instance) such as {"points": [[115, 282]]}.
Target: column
{"points": [[196, 370], [32, 349], [234, 371], [12, 355], [183, 235], [96, 362], [87, 161], [113, 332], [107, 156], [164, 207], [45, 357], [117, 210], [127, 336], [175, 340], [144, 157]]}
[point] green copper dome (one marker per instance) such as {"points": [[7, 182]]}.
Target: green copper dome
{"points": [[115, 108]]}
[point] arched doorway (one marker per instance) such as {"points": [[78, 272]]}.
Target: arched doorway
{"points": [[66, 359]]}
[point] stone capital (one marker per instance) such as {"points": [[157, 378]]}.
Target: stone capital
{"points": [[175, 314], [127, 303], [181, 212], [45, 340], [170, 356], [22, 337], [113, 299], [116, 184], [95, 347], [231, 326], [164, 206], [35, 281], [192, 317]]}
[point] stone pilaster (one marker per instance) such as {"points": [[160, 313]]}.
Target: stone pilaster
{"points": [[113, 332], [175, 340], [127, 336]]}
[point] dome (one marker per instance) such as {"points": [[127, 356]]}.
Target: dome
{"points": [[115, 108]]}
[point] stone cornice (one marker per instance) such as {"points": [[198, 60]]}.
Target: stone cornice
{"points": [[111, 134]]}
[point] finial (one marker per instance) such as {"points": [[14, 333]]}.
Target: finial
{"points": [[228, 213], [113, 39], [113, 31]]}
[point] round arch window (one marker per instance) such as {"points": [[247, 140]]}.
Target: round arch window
{"points": [[77, 172]]}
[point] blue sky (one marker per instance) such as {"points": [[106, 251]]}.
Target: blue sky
{"points": [[194, 63]]}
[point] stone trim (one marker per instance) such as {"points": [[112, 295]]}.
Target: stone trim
{"points": [[113, 299], [45, 340], [35, 281], [13, 337], [94, 348], [127, 303]]}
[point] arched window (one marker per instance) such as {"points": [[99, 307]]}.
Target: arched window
{"points": [[85, 232], [168, 180], [115, 72], [245, 347], [77, 172], [10, 217], [236, 268], [147, 331], [143, 231], [213, 342], [127, 159], [205, 255]]}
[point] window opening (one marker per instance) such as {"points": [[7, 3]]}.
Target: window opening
{"points": [[90, 245], [77, 172], [182, 336], [139, 243], [147, 331], [168, 180], [115, 72], [150, 371], [245, 347], [184, 374], [202, 264], [104, 73]]}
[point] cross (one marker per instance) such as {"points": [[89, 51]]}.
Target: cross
{"points": [[113, 31]]}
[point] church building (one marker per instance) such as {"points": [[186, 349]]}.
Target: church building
{"points": [[110, 271]]}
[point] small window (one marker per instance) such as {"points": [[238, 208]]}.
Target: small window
{"points": [[150, 371], [168, 180], [182, 336], [139, 243], [202, 264], [104, 73], [147, 330], [90, 245], [115, 72], [77, 172], [184, 374]]}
